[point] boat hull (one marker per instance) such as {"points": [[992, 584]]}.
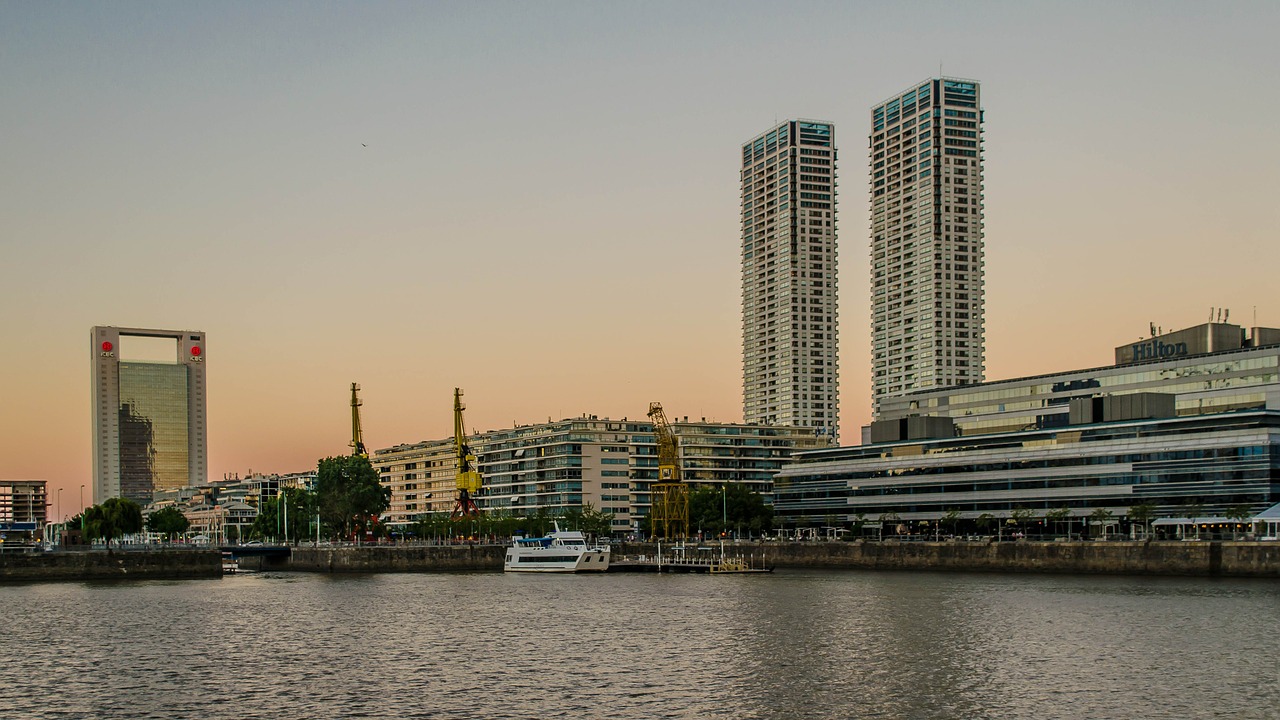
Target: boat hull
{"points": [[555, 560]]}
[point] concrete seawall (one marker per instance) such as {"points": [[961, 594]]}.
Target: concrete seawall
{"points": [[102, 565], [395, 558], [1218, 559], [1221, 559]]}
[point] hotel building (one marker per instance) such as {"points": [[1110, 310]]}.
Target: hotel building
{"points": [[927, 307], [1197, 427], [149, 426], [790, 369]]}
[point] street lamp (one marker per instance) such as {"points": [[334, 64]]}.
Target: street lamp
{"points": [[57, 511]]}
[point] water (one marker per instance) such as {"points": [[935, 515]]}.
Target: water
{"points": [[795, 644]]}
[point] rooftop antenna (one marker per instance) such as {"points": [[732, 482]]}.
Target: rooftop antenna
{"points": [[1153, 329], [1210, 314], [1226, 315]]}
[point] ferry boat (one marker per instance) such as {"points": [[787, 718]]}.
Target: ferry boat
{"points": [[561, 551]]}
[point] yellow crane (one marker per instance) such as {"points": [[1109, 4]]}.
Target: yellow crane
{"points": [[468, 480], [669, 497], [357, 436]]}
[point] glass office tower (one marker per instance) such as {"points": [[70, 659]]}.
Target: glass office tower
{"points": [[149, 417]]}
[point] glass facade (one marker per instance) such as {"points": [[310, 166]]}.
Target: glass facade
{"points": [[1216, 382], [1210, 461], [154, 433]]}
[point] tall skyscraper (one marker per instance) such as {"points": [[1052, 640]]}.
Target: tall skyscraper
{"points": [[149, 430], [790, 372], [926, 238]]}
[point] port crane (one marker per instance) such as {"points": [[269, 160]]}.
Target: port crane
{"points": [[357, 435], [468, 479], [669, 504]]}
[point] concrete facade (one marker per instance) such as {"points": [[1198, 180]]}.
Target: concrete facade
{"points": [[790, 360], [927, 248]]}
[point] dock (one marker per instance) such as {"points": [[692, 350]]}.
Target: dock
{"points": [[703, 560]]}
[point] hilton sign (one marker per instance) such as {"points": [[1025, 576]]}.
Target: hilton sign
{"points": [[1156, 350]]}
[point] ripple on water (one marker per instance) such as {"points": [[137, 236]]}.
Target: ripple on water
{"points": [[790, 645]]}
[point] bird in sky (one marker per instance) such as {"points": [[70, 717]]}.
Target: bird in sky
{"points": [[363, 145]]}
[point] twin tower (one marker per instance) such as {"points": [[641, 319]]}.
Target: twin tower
{"points": [[927, 307]]}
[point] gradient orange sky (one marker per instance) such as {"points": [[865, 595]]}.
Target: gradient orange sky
{"points": [[546, 212]]}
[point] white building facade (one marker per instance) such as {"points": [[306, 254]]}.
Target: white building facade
{"points": [[927, 254], [790, 369]]}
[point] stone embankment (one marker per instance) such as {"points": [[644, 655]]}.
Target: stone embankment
{"points": [[1217, 559], [394, 558], [115, 565], [1209, 558]]}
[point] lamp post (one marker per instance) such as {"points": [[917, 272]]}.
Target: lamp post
{"points": [[57, 511]]}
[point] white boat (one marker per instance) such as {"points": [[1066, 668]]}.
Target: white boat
{"points": [[561, 551]]}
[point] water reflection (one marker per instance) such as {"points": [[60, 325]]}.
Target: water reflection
{"points": [[791, 645]]}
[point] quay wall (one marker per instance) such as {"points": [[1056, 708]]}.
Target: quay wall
{"points": [[115, 565], [395, 558], [1209, 558]]}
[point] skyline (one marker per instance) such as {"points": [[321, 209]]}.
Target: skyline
{"points": [[539, 204]]}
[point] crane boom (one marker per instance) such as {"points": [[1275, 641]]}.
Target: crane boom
{"points": [[357, 435], [669, 513], [468, 480]]}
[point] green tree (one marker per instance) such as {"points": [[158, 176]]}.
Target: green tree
{"points": [[888, 518], [348, 494], [587, 519], [1142, 513], [270, 523], [950, 519], [1020, 516], [984, 521], [1057, 516], [859, 522], [168, 522], [732, 506], [1239, 512], [1102, 516], [114, 518]]}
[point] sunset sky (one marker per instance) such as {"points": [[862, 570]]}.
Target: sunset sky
{"points": [[538, 201]]}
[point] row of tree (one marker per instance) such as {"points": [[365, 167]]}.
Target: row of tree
{"points": [[117, 517], [1021, 518]]}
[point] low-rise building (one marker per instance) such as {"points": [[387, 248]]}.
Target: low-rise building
{"points": [[607, 464], [23, 508]]}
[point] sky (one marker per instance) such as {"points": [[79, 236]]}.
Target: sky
{"points": [[539, 202]]}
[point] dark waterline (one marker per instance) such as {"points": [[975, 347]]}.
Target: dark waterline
{"points": [[796, 644]]}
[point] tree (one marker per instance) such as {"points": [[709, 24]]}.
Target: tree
{"points": [[348, 494], [984, 521], [950, 519], [886, 518], [1101, 516], [1020, 516], [1142, 513], [114, 518], [588, 520], [301, 512], [859, 522], [168, 521], [729, 506], [1239, 512], [1057, 516]]}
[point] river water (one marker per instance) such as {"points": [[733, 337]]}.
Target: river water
{"points": [[794, 644]]}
